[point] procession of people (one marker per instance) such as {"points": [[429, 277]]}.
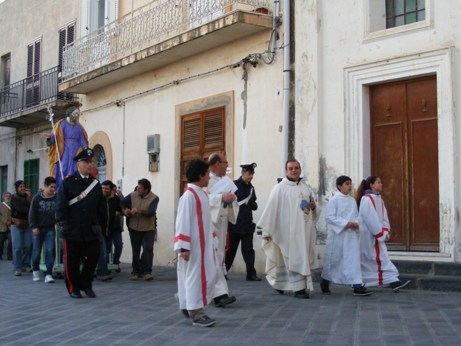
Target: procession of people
{"points": [[214, 217]]}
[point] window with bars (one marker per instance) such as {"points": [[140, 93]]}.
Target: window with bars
{"points": [[202, 133], [403, 12], [31, 172], [66, 36]]}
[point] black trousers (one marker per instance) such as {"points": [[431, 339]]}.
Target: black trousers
{"points": [[248, 253], [78, 253]]}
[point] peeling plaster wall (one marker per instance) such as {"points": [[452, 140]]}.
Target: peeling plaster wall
{"points": [[335, 36]]}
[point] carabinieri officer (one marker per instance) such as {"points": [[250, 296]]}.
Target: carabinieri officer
{"points": [[80, 207]]}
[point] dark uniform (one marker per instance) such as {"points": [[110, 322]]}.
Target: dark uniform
{"points": [[244, 228], [79, 225]]}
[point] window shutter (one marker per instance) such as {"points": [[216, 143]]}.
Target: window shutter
{"points": [[62, 43], [37, 57], [30, 60], [70, 34]]}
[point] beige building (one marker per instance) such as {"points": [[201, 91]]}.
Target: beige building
{"points": [[348, 87]]}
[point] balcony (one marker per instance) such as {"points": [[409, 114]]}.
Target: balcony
{"points": [[24, 103], [155, 35]]}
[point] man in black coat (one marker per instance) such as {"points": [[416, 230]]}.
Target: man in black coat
{"points": [[79, 212], [244, 228]]}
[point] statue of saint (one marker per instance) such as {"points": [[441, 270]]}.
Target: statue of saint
{"points": [[67, 140]]}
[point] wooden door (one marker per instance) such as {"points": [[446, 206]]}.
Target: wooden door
{"points": [[404, 149]]}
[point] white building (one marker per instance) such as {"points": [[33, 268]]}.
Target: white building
{"points": [[161, 82]]}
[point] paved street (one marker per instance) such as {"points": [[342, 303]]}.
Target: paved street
{"points": [[146, 313]]}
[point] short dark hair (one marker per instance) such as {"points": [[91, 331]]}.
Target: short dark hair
{"points": [[214, 158], [289, 161], [341, 180], [109, 183], [145, 184], [49, 180], [195, 169]]}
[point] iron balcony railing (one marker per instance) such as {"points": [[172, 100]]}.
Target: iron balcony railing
{"points": [[35, 90], [144, 27]]}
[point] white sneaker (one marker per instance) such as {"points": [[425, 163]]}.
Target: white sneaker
{"points": [[36, 275], [49, 279]]}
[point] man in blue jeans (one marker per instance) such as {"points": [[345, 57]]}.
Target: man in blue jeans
{"points": [[41, 220], [140, 207]]}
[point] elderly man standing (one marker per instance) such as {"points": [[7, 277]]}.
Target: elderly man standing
{"points": [[221, 193], [289, 233], [80, 210], [140, 207]]}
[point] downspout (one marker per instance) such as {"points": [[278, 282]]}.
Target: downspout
{"points": [[286, 82]]}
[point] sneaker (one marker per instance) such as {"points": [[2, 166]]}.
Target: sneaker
{"points": [[134, 277], [204, 321], [148, 277], [49, 279], [361, 291], [224, 300], [17, 273], [104, 277], [36, 275], [397, 285]]}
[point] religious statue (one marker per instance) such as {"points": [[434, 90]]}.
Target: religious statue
{"points": [[67, 140]]}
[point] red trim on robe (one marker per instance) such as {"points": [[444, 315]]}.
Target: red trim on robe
{"points": [[202, 245], [182, 237]]}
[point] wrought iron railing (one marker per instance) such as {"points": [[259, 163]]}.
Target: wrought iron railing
{"points": [[147, 25], [35, 90]]}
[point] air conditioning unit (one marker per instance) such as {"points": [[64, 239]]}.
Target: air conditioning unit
{"points": [[153, 144]]}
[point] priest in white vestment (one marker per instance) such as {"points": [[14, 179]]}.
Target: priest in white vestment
{"points": [[194, 244], [288, 229], [224, 209]]}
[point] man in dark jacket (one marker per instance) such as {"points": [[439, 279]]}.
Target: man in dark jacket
{"points": [[21, 233], [80, 210], [244, 228]]}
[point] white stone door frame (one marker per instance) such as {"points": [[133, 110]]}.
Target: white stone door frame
{"points": [[357, 80]]}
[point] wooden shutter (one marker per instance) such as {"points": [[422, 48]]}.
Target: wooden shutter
{"points": [[66, 36], [202, 133]]}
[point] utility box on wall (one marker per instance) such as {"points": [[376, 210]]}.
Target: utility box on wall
{"points": [[153, 150]]}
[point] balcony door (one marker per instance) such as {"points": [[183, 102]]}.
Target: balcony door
{"points": [[33, 73]]}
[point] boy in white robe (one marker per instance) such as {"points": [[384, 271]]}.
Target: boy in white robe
{"points": [[341, 264], [377, 268], [288, 230], [197, 264]]}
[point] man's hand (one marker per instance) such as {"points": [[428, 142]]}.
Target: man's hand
{"points": [[352, 225], [36, 231], [185, 255], [228, 197]]}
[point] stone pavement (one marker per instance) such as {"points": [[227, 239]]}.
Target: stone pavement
{"points": [[146, 313]]}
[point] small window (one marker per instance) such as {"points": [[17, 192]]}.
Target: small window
{"points": [[403, 12], [3, 179], [66, 36], [5, 70]]}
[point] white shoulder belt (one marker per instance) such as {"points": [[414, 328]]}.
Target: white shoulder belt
{"points": [[84, 193]]}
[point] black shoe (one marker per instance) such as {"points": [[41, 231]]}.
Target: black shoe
{"points": [[253, 277], [90, 293], [75, 295], [225, 277], [223, 300], [361, 291], [280, 291], [204, 321], [397, 285], [185, 313], [325, 286], [302, 294]]}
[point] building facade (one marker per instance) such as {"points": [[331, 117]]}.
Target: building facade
{"points": [[355, 87]]}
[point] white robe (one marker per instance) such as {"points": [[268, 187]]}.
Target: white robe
{"points": [[194, 232], [341, 263], [220, 216], [377, 268], [291, 229]]}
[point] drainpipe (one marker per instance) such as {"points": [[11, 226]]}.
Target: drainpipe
{"points": [[286, 82]]}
